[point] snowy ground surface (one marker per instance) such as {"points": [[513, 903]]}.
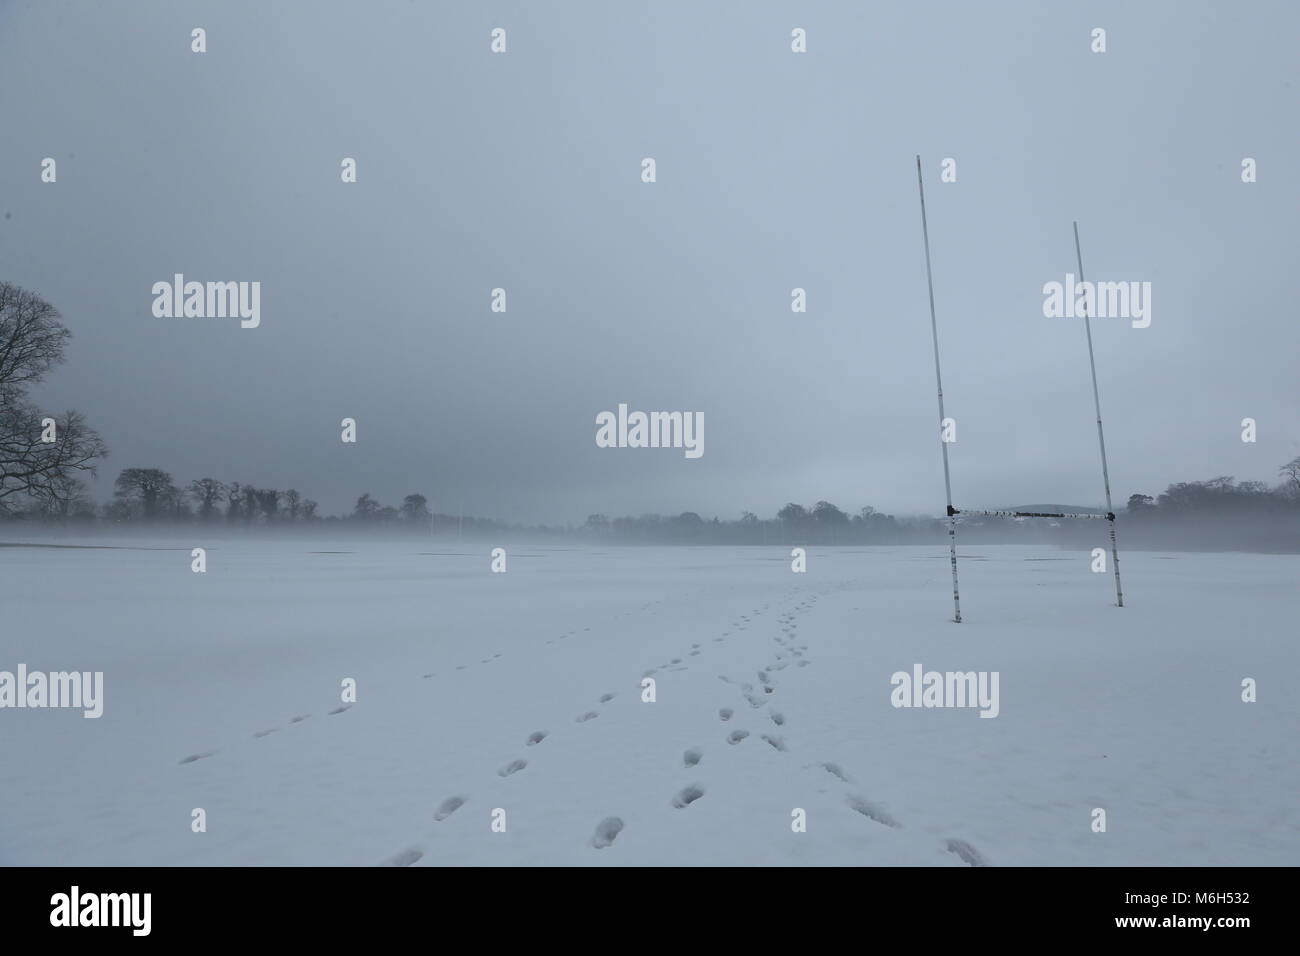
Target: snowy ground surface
{"points": [[1137, 711]]}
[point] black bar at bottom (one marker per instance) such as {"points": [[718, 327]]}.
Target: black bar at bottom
{"points": [[242, 905]]}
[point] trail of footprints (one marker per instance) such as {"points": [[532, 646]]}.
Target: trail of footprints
{"points": [[299, 718], [605, 833], [791, 651], [259, 734], [608, 829]]}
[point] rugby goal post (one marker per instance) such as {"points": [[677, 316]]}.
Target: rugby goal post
{"points": [[952, 512]]}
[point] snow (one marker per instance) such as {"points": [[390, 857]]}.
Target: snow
{"points": [[1137, 710]]}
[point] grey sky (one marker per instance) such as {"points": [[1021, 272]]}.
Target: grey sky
{"points": [[775, 170]]}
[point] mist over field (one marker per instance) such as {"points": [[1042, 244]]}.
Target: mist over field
{"points": [[776, 171], [593, 434]]}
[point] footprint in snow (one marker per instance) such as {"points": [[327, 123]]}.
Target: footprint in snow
{"points": [[691, 757], [606, 698], [725, 713], [736, 736], [513, 766], [777, 743], [777, 718], [606, 830], [193, 757], [536, 737], [339, 710], [589, 715], [968, 853], [263, 733], [448, 807], [834, 770], [687, 795], [404, 858], [299, 719], [872, 811]]}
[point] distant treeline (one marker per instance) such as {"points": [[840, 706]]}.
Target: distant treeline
{"points": [[43, 457], [1219, 514]]}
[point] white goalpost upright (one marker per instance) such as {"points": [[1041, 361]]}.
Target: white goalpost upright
{"points": [[947, 475], [1101, 435], [938, 378]]}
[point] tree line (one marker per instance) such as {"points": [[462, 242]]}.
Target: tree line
{"points": [[44, 459], [1220, 513]]}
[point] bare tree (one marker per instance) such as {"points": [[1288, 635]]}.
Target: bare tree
{"points": [[151, 488], [207, 492], [292, 503], [174, 503], [367, 508], [1291, 471], [827, 515], [793, 514], [234, 494], [70, 502], [268, 499], [415, 511], [1139, 504], [32, 337]]}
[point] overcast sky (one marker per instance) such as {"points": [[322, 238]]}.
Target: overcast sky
{"points": [[776, 170]]}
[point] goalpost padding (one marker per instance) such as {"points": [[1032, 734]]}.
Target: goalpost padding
{"points": [[1032, 514]]}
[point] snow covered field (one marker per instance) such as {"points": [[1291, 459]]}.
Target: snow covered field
{"points": [[774, 686]]}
